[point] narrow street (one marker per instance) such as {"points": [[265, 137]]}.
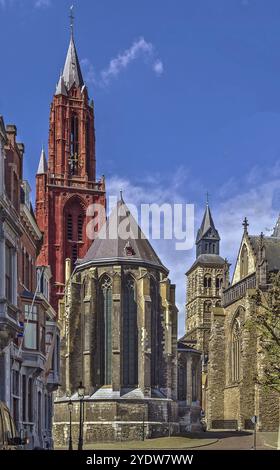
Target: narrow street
{"points": [[234, 440]]}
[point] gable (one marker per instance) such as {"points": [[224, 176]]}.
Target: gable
{"points": [[245, 245]]}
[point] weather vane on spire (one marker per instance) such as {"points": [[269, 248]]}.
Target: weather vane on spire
{"points": [[71, 16], [207, 198]]}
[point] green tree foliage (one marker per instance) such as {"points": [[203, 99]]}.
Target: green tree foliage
{"points": [[267, 320]]}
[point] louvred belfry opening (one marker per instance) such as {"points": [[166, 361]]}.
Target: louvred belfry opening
{"points": [[66, 184]]}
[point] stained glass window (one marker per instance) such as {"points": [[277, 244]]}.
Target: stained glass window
{"points": [[105, 318], [130, 335]]}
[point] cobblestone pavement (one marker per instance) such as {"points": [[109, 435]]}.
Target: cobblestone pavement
{"points": [[233, 440]]}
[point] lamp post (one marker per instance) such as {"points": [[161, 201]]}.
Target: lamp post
{"points": [[70, 408], [81, 394]]}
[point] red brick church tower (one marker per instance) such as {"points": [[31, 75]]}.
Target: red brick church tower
{"points": [[66, 185]]}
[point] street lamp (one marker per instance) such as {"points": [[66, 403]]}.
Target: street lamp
{"points": [[81, 394], [70, 408]]}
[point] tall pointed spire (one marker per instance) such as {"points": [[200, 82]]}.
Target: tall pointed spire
{"points": [[42, 167], [72, 71], [208, 238]]}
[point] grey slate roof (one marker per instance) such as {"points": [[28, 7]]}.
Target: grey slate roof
{"points": [[42, 167], [114, 245], [61, 88], [72, 71], [208, 260], [206, 225], [2, 129], [187, 345], [106, 393], [272, 250]]}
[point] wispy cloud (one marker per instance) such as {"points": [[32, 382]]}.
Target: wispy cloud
{"points": [[42, 3], [89, 72], [34, 3], [140, 49], [158, 67]]}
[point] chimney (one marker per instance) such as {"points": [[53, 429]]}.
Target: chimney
{"points": [[11, 132]]}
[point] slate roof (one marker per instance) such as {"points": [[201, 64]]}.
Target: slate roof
{"points": [[114, 245], [208, 259], [187, 345], [206, 225], [2, 129], [72, 71], [61, 87], [272, 250]]}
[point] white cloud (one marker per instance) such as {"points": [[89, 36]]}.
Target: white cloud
{"points": [[35, 3], [259, 201], [89, 72], [140, 48], [42, 3], [158, 67]]}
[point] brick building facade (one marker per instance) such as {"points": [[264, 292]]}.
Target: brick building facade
{"points": [[66, 184], [26, 318]]}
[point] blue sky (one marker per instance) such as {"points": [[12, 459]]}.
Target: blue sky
{"points": [[195, 107]]}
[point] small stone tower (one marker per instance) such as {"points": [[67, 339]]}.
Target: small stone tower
{"points": [[205, 279]]}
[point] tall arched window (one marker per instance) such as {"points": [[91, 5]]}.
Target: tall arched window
{"points": [[219, 282], [105, 330], [74, 145], [154, 335], [207, 281], [74, 229], [88, 147], [244, 262], [39, 415], [69, 226], [194, 384], [235, 350], [30, 400], [80, 227], [182, 380], [130, 335]]}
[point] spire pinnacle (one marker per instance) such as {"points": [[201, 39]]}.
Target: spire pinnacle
{"points": [[72, 72], [43, 167], [207, 240], [245, 225], [72, 17]]}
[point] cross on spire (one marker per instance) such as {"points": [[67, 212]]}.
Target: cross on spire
{"points": [[72, 17], [245, 225], [207, 198]]}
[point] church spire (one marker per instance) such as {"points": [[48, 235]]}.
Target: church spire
{"points": [[208, 239], [72, 71]]}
